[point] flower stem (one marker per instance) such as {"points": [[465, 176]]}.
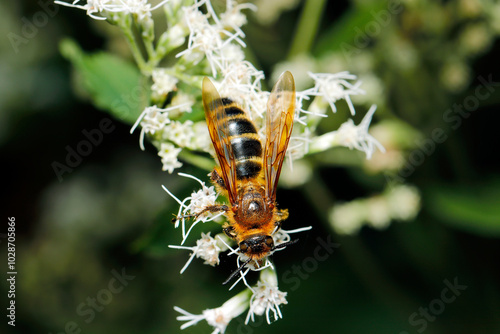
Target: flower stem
{"points": [[307, 28], [197, 160], [126, 26]]}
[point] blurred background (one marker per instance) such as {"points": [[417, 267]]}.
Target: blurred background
{"points": [[415, 229]]}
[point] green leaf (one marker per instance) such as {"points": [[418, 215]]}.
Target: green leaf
{"points": [[113, 84], [350, 32], [475, 209]]}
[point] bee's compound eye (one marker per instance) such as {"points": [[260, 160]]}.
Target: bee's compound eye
{"points": [[243, 247], [269, 241]]}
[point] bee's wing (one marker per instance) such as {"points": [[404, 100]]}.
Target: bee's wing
{"points": [[215, 115], [279, 123]]}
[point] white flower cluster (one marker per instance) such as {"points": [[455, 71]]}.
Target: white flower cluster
{"points": [[400, 202], [156, 122], [215, 43], [198, 201], [105, 7], [209, 36], [265, 297], [351, 136], [207, 248], [214, 46]]}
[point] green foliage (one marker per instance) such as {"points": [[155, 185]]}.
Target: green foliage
{"points": [[112, 84], [474, 209], [340, 36]]}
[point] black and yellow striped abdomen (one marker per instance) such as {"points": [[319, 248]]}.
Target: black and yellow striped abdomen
{"points": [[245, 141]]}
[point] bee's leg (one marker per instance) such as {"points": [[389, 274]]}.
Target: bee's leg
{"points": [[281, 216], [209, 208], [229, 231], [217, 179]]}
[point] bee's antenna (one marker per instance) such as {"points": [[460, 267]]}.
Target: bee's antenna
{"points": [[283, 245], [237, 271]]}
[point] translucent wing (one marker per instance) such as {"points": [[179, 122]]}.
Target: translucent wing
{"points": [[279, 124], [215, 115]]}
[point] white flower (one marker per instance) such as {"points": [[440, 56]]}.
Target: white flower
{"points": [[201, 139], [202, 198], [282, 236], [219, 317], [242, 82], [351, 136], [139, 7], [152, 119], [298, 145], [378, 213], [198, 201], [334, 87], [163, 83], [403, 201], [400, 202], [348, 218], [300, 65], [203, 38], [207, 248], [180, 133], [233, 17], [184, 101], [269, 11], [232, 53], [210, 39], [357, 137], [168, 153], [266, 297], [298, 176]]}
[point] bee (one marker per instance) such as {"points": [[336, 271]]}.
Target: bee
{"points": [[248, 171]]}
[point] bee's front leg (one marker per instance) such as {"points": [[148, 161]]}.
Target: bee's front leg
{"points": [[209, 208]]}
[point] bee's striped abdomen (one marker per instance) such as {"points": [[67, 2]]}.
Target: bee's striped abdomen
{"points": [[245, 141]]}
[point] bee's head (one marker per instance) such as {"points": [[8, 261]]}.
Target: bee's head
{"points": [[257, 246]]}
